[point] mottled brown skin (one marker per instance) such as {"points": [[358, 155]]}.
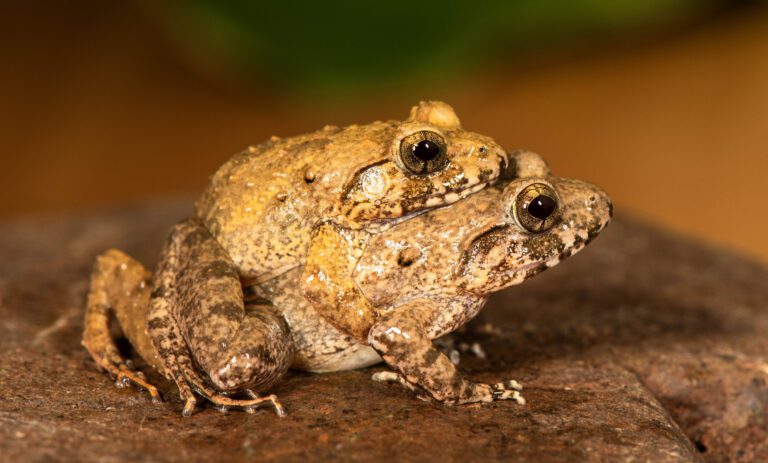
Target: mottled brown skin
{"points": [[316, 198], [430, 276], [219, 329]]}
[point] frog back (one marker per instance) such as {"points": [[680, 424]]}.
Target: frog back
{"points": [[261, 205]]}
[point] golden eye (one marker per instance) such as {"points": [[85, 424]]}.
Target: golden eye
{"points": [[423, 152], [536, 208]]}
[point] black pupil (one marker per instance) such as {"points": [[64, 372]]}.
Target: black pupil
{"points": [[542, 207], [426, 150]]}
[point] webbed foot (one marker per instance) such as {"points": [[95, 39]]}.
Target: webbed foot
{"points": [[221, 401], [120, 370]]}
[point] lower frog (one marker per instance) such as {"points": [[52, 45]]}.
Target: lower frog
{"points": [[424, 277]]}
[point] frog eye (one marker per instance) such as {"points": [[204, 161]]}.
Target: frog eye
{"points": [[536, 208], [423, 152]]}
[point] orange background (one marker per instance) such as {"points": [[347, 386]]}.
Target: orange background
{"points": [[99, 109]]}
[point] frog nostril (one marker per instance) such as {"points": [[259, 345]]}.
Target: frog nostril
{"points": [[542, 207]]}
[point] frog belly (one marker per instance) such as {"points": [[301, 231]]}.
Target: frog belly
{"points": [[355, 356], [319, 347]]}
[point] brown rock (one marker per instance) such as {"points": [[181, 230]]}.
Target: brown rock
{"points": [[644, 348]]}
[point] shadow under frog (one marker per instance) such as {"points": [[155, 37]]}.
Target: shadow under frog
{"points": [[219, 330]]}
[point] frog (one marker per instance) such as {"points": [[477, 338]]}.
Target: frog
{"points": [[431, 275], [426, 276], [310, 201]]}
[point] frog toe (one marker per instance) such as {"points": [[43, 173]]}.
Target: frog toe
{"points": [[509, 390], [392, 377], [189, 407], [125, 376]]}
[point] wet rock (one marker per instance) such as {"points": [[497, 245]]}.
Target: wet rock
{"points": [[646, 347]]}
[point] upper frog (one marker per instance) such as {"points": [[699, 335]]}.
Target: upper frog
{"points": [[263, 204]]}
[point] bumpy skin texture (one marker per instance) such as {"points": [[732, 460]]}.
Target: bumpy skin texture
{"points": [[287, 202], [313, 275], [431, 275]]}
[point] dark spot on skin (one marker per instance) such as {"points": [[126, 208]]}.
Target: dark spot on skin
{"points": [[309, 176], [593, 230], [404, 261], [543, 247], [228, 309], [430, 357], [482, 150], [484, 175], [218, 269], [407, 257], [197, 236], [160, 291], [157, 324]]}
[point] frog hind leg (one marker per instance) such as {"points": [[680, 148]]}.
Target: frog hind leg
{"points": [[119, 287], [198, 321]]}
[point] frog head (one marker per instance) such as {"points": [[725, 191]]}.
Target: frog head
{"points": [[543, 220], [429, 161], [503, 235]]}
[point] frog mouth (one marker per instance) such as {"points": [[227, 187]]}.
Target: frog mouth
{"points": [[426, 204], [437, 200]]}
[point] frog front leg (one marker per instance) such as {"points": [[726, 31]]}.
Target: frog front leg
{"points": [[198, 317], [400, 337], [327, 280]]}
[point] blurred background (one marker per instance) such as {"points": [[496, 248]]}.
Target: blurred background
{"points": [[662, 103]]}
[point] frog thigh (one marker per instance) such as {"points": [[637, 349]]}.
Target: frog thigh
{"points": [[198, 313], [119, 286], [327, 281]]}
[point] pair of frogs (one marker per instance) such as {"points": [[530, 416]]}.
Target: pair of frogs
{"points": [[336, 250]]}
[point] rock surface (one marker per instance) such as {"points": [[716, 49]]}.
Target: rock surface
{"points": [[645, 347]]}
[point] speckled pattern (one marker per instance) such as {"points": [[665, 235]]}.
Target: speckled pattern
{"points": [[414, 281], [263, 204], [310, 200], [314, 199]]}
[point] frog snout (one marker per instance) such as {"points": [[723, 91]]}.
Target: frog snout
{"points": [[585, 205]]}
